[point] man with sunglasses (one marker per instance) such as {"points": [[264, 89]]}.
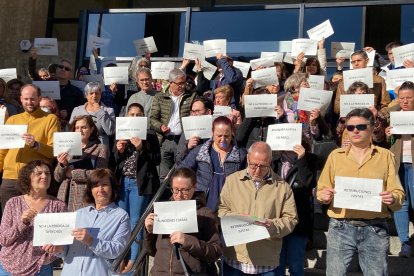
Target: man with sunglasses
{"points": [[403, 148], [165, 117], [355, 230], [70, 95], [258, 192]]}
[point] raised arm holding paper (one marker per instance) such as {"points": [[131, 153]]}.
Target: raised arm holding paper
{"points": [[360, 160]]}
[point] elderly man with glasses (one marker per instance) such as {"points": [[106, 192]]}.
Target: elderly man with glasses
{"points": [[258, 192], [165, 117], [70, 95], [357, 213]]}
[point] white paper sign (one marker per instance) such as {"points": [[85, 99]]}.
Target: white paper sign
{"points": [[46, 46], [95, 42], [358, 193], [118, 75], [129, 127], [260, 105], [316, 81], [262, 62], [241, 229], [371, 59], [342, 49], [403, 53], [263, 77], [220, 110], [310, 98], [200, 126], [288, 58], [276, 56], [208, 69], [244, 67], [69, 142], [323, 30], [11, 136], [8, 74], [49, 88], [161, 70], [364, 75], [53, 228], [352, 101], [193, 51], [397, 77], [307, 46], [145, 45], [214, 47], [2, 115], [172, 216], [402, 122], [284, 136]]}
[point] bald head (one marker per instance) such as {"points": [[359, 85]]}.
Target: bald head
{"points": [[260, 148]]}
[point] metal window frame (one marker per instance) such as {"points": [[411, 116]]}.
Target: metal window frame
{"points": [[83, 20]]}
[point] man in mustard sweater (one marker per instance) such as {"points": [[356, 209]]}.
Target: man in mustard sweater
{"points": [[347, 185], [38, 141]]}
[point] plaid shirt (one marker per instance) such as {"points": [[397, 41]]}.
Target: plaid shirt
{"points": [[249, 268]]}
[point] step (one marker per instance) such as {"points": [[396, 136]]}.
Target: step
{"points": [[320, 272]]}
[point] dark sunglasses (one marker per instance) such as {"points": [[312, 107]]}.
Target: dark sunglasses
{"points": [[359, 127], [60, 66]]}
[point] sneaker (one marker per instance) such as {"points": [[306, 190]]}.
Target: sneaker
{"points": [[405, 251]]}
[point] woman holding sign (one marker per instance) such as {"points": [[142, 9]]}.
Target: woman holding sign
{"points": [[137, 162], [102, 229], [18, 256], [198, 250], [72, 172], [214, 160]]}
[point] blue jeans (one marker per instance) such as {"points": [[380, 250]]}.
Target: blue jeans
{"points": [[401, 217], [134, 205], [230, 271], [45, 270], [371, 242], [292, 255]]}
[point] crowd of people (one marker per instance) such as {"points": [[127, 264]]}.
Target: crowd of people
{"points": [[234, 172]]}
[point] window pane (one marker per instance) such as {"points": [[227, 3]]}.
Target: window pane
{"points": [[407, 24], [262, 28]]}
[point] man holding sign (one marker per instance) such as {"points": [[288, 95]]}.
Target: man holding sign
{"points": [[403, 149], [372, 186], [197, 249], [259, 193], [38, 141], [359, 60]]}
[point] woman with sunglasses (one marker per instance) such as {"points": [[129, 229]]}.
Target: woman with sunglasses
{"points": [[378, 133]]}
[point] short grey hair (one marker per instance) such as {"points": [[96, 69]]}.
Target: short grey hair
{"points": [[176, 73], [92, 86], [294, 81], [261, 147], [143, 70], [134, 66]]}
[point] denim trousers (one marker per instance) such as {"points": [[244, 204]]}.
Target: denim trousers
{"points": [[401, 217], [371, 242], [230, 271], [45, 270], [134, 205], [292, 255]]}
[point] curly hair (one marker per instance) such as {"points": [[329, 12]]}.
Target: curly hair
{"points": [[24, 182], [94, 179]]}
